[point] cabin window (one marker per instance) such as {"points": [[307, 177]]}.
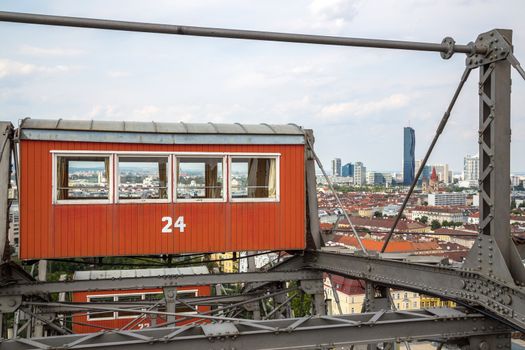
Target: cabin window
{"points": [[181, 307], [129, 298], [143, 178], [254, 178], [100, 315], [200, 178], [156, 298], [82, 178]]}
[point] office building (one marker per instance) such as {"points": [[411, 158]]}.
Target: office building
{"points": [[409, 149], [426, 170], [375, 178], [442, 171], [359, 174], [348, 170], [336, 167], [447, 199], [471, 168]]}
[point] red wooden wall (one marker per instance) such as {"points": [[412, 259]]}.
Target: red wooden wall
{"points": [[81, 324], [84, 230]]}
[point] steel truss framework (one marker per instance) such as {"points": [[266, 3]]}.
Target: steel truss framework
{"points": [[440, 325], [489, 283]]}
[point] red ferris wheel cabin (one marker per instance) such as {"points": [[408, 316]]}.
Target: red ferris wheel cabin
{"points": [[101, 188]]}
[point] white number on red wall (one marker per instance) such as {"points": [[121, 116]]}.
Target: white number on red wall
{"points": [[168, 225]]}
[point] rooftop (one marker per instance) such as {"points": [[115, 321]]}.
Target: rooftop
{"points": [[159, 133]]}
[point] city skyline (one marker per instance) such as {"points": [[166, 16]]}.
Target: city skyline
{"points": [[340, 93]]}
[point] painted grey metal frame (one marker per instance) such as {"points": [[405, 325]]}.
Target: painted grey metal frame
{"points": [[496, 297], [6, 136], [35, 288], [443, 325]]}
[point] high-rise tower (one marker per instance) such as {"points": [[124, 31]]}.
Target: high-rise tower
{"points": [[409, 159]]}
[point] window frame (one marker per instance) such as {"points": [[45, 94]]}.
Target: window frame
{"points": [[172, 176], [195, 294], [203, 155], [276, 156], [88, 314], [56, 154], [138, 313], [169, 178]]}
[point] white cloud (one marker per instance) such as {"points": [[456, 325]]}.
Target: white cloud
{"points": [[14, 68], [118, 74], [49, 51], [360, 108], [147, 111], [332, 14], [105, 112]]}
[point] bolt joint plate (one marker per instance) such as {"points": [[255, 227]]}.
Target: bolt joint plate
{"points": [[497, 49], [10, 303]]}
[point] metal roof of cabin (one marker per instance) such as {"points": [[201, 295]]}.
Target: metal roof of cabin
{"points": [[161, 128], [168, 271], [159, 133]]}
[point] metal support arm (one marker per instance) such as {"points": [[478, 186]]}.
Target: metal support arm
{"points": [[307, 332], [35, 288], [498, 298]]}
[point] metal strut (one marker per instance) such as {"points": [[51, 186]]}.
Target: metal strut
{"points": [[447, 47], [321, 332], [439, 130], [516, 64]]}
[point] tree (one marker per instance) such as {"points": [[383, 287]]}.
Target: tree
{"points": [[378, 214], [456, 223], [434, 225], [423, 219], [302, 304], [513, 204]]}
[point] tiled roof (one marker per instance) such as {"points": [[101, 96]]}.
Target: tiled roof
{"points": [[393, 246], [452, 232]]}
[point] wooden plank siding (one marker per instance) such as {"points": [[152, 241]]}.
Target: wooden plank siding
{"points": [[131, 229]]}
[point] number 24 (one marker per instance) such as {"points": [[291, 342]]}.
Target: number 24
{"points": [[179, 223]]}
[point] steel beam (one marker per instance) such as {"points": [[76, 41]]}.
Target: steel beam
{"points": [[498, 298], [66, 307], [313, 232], [35, 288], [305, 333], [494, 253], [6, 136], [447, 47]]}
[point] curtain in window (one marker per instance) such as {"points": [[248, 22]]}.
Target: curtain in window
{"points": [[262, 178], [163, 179], [62, 178], [272, 179], [210, 175]]}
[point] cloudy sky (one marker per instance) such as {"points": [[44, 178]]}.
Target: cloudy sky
{"points": [[356, 100]]}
